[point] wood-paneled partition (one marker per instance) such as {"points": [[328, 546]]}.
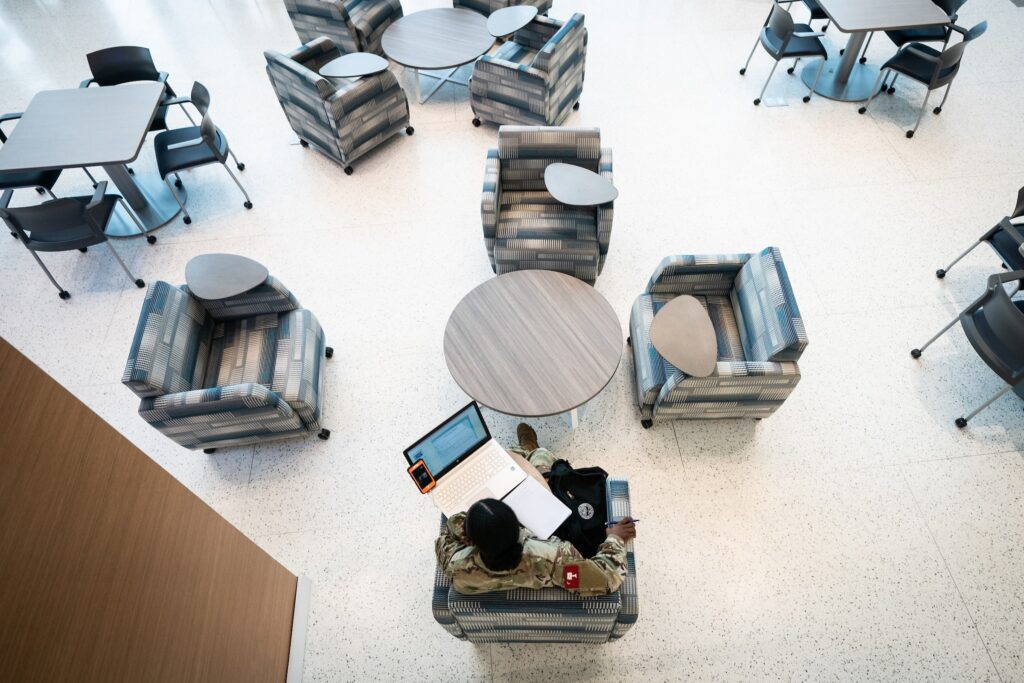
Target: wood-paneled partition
{"points": [[110, 569]]}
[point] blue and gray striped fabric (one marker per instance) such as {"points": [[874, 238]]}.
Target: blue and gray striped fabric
{"points": [[757, 325], [344, 118], [524, 226], [353, 25], [485, 7], [269, 297], [535, 78], [250, 379], [548, 615]]}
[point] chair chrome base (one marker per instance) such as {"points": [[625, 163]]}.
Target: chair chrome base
{"points": [[857, 88]]}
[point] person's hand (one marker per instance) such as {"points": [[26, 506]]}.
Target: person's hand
{"points": [[625, 529]]}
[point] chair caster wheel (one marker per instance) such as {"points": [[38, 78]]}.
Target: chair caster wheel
{"points": [[329, 352], [303, 143], [807, 98], [187, 219], [863, 60], [937, 111], [940, 273], [476, 122], [891, 91], [915, 353], [64, 294], [576, 107], [842, 52], [324, 434], [140, 283], [629, 341], [247, 205], [40, 190], [131, 171], [178, 184], [862, 110], [757, 101], [646, 424], [83, 249], [349, 170], [240, 166], [790, 70], [961, 423], [209, 450], [409, 130], [742, 72], [910, 133], [151, 239]]}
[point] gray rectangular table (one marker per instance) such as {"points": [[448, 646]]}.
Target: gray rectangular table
{"points": [[844, 78], [105, 127]]}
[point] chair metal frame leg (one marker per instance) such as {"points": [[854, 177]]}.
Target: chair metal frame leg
{"points": [[49, 275], [135, 219], [187, 115], [767, 81], [807, 97], [916, 353], [170, 186], [892, 86], [743, 71], [238, 164], [938, 109], [50, 192], [248, 202], [961, 422], [941, 272], [138, 282], [91, 178], [874, 91], [864, 53], [920, 115]]}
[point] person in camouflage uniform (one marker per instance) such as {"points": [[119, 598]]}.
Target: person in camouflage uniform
{"points": [[485, 549]]}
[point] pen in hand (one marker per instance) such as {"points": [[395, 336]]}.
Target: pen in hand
{"points": [[611, 524]]}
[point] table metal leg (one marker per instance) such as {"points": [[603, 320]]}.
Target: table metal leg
{"points": [[844, 78], [573, 417], [441, 80], [148, 196]]}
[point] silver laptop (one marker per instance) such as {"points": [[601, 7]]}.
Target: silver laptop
{"points": [[466, 463]]}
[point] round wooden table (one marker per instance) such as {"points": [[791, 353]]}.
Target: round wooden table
{"points": [[437, 39], [221, 276], [533, 343]]}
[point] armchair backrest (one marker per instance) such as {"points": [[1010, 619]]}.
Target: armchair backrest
{"points": [[565, 50], [329, 18], [769, 321], [303, 93], [525, 151], [171, 344], [696, 275]]}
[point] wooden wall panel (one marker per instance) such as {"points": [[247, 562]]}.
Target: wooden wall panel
{"points": [[110, 569]]}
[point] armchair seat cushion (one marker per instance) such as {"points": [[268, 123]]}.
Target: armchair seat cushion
{"points": [[538, 215]]}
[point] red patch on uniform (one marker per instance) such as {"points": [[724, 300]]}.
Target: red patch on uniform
{"points": [[571, 576]]}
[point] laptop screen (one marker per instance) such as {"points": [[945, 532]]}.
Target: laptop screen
{"points": [[454, 439]]}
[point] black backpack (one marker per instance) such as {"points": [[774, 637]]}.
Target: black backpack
{"points": [[583, 492]]}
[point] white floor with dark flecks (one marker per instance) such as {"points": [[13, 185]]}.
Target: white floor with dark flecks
{"points": [[856, 535]]}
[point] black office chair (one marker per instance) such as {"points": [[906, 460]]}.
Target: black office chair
{"points": [[783, 39], [926, 34], [129, 64], [200, 99], [927, 65], [66, 224], [994, 324], [1005, 238], [182, 149]]}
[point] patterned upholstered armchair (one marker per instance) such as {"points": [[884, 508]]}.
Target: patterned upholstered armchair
{"points": [[534, 79], [524, 226], [228, 372], [547, 615], [759, 330], [344, 118], [353, 25], [485, 7]]}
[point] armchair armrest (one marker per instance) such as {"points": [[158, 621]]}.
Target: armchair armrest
{"points": [[618, 506], [490, 201], [605, 212], [97, 195], [8, 117], [954, 27], [219, 415]]}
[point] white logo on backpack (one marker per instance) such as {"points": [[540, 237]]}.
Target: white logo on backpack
{"points": [[586, 510]]}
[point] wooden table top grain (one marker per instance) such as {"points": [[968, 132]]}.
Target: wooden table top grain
{"points": [[882, 15], [440, 38], [533, 343], [82, 127]]}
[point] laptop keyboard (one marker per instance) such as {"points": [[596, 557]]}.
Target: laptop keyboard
{"points": [[473, 474]]}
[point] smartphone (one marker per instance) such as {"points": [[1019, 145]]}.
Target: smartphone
{"points": [[421, 476]]}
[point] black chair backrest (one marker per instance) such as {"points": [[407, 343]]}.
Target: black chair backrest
{"points": [[1018, 210], [122, 64], [949, 60], [208, 131], [200, 97], [46, 218], [780, 22], [1005, 322], [950, 7]]}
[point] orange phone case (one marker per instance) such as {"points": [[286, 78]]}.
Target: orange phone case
{"points": [[417, 465]]}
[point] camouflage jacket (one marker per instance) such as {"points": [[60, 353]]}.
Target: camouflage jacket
{"points": [[544, 564]]}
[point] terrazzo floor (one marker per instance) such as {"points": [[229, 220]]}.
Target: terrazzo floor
{"points": [[855, 535]]}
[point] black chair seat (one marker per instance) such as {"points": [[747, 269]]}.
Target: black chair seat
{"points": [[925, 34], [816, 11], [75, 233], [13, 181], [172, 160], [1008, 249], [797, 47], [910, 63]]}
